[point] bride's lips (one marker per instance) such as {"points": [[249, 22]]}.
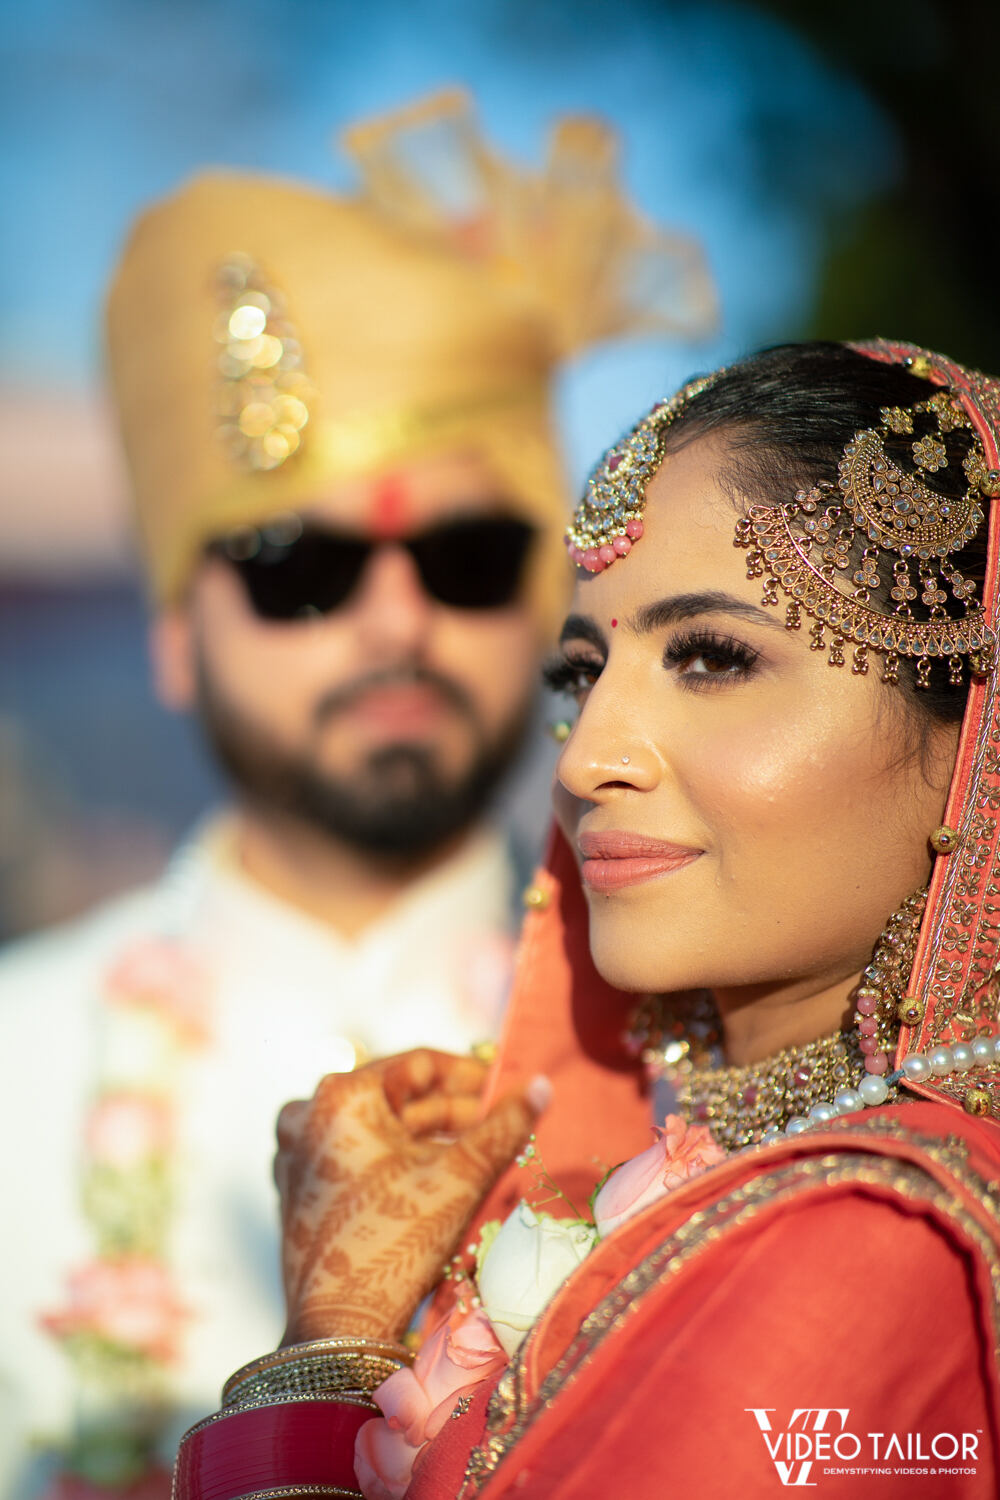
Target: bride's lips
{"points": [[617, 858]]}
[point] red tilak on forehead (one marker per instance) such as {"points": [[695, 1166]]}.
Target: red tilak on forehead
{"points": [[390, 507]]}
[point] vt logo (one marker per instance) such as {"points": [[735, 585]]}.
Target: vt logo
{"points": [[794, 1448]]}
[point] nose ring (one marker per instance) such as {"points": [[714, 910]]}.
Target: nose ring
{"points": [[626, 759]]}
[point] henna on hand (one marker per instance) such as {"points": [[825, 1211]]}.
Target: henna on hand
{"points": [[379, 1174]]}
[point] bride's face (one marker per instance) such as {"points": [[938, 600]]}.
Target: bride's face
{"points": [[744, 813]]}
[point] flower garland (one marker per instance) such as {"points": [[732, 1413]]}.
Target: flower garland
{"points": [[121, 1319], [519, 1266]]}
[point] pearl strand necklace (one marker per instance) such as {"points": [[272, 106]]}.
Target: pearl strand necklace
{"points": [[919, 1067]]}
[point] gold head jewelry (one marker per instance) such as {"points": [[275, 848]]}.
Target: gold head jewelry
{"points": [[884, 523], [609, 517]]}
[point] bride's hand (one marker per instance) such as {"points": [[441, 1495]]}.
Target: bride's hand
{"points": [[379, 1175]]}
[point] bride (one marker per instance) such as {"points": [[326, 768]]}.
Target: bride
{"points": [[769, 915]]}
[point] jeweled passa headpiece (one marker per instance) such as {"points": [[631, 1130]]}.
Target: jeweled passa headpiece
{"points": [[907, 532]]}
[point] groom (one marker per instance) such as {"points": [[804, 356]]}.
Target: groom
{"points": [[349, 497]]}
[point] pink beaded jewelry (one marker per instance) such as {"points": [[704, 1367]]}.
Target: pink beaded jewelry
{"points": [[608, 520]]}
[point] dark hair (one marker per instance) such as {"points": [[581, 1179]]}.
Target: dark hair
{"points": [[787, 414]]}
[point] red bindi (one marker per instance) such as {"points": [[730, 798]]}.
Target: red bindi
{"points": [[390, 507], [614, 624]]}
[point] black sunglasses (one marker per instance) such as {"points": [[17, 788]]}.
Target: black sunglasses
{"points": [[292, 569]]}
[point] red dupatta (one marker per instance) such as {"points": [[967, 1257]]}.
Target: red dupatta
{"points": [[954, 976]]}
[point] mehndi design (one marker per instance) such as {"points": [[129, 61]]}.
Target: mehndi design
{"points": [[349, 1158]]}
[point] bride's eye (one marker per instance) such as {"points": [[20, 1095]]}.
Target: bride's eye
{"points": [[572, 675], [704, 659]]}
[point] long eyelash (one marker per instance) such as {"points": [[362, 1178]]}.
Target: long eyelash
{"points": [[562, 674], [722, 648]]}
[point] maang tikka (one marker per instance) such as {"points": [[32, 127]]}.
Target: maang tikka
{"points": [[878, 524], [608, 520]]}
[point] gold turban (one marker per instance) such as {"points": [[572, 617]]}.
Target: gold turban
{"points": [[267, 339]]}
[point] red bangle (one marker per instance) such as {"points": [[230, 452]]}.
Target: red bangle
{"points": [[268, 1448]]}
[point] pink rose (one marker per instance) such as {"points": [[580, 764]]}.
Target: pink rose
{"points": [[163, 976], [383, 1460], [680, 1152], [128, 1301], [460, 1353], [125, 1128]]}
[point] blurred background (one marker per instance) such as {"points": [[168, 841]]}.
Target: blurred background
{"points": [[839, 163]]}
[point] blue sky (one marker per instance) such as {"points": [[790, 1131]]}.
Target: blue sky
{"points": [[732, 129]]}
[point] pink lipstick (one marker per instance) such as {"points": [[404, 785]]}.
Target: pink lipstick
{"points": [[617, 858]]}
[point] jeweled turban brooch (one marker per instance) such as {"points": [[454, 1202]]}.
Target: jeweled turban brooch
{"points": [[264, 393]]}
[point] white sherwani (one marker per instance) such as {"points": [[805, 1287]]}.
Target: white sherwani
{"points": [[289, 999]]}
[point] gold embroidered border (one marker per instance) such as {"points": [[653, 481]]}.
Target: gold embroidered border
{"points": [[962, 949], [956, 973], [511, 1413]]}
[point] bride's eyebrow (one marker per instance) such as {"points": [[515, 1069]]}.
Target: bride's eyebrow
{"points": [[679, 607], [583, 628], [670, 611]]}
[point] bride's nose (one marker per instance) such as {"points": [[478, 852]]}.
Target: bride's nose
{"points": [[608, 751]]}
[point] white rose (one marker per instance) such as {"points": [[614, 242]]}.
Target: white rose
{"points": [[524, 1265]]}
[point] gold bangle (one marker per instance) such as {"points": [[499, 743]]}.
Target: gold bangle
{"points": [[323, 1367], [292, 1492]]}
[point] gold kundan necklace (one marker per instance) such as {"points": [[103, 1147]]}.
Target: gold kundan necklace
{"points": [[741, 1105]]}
